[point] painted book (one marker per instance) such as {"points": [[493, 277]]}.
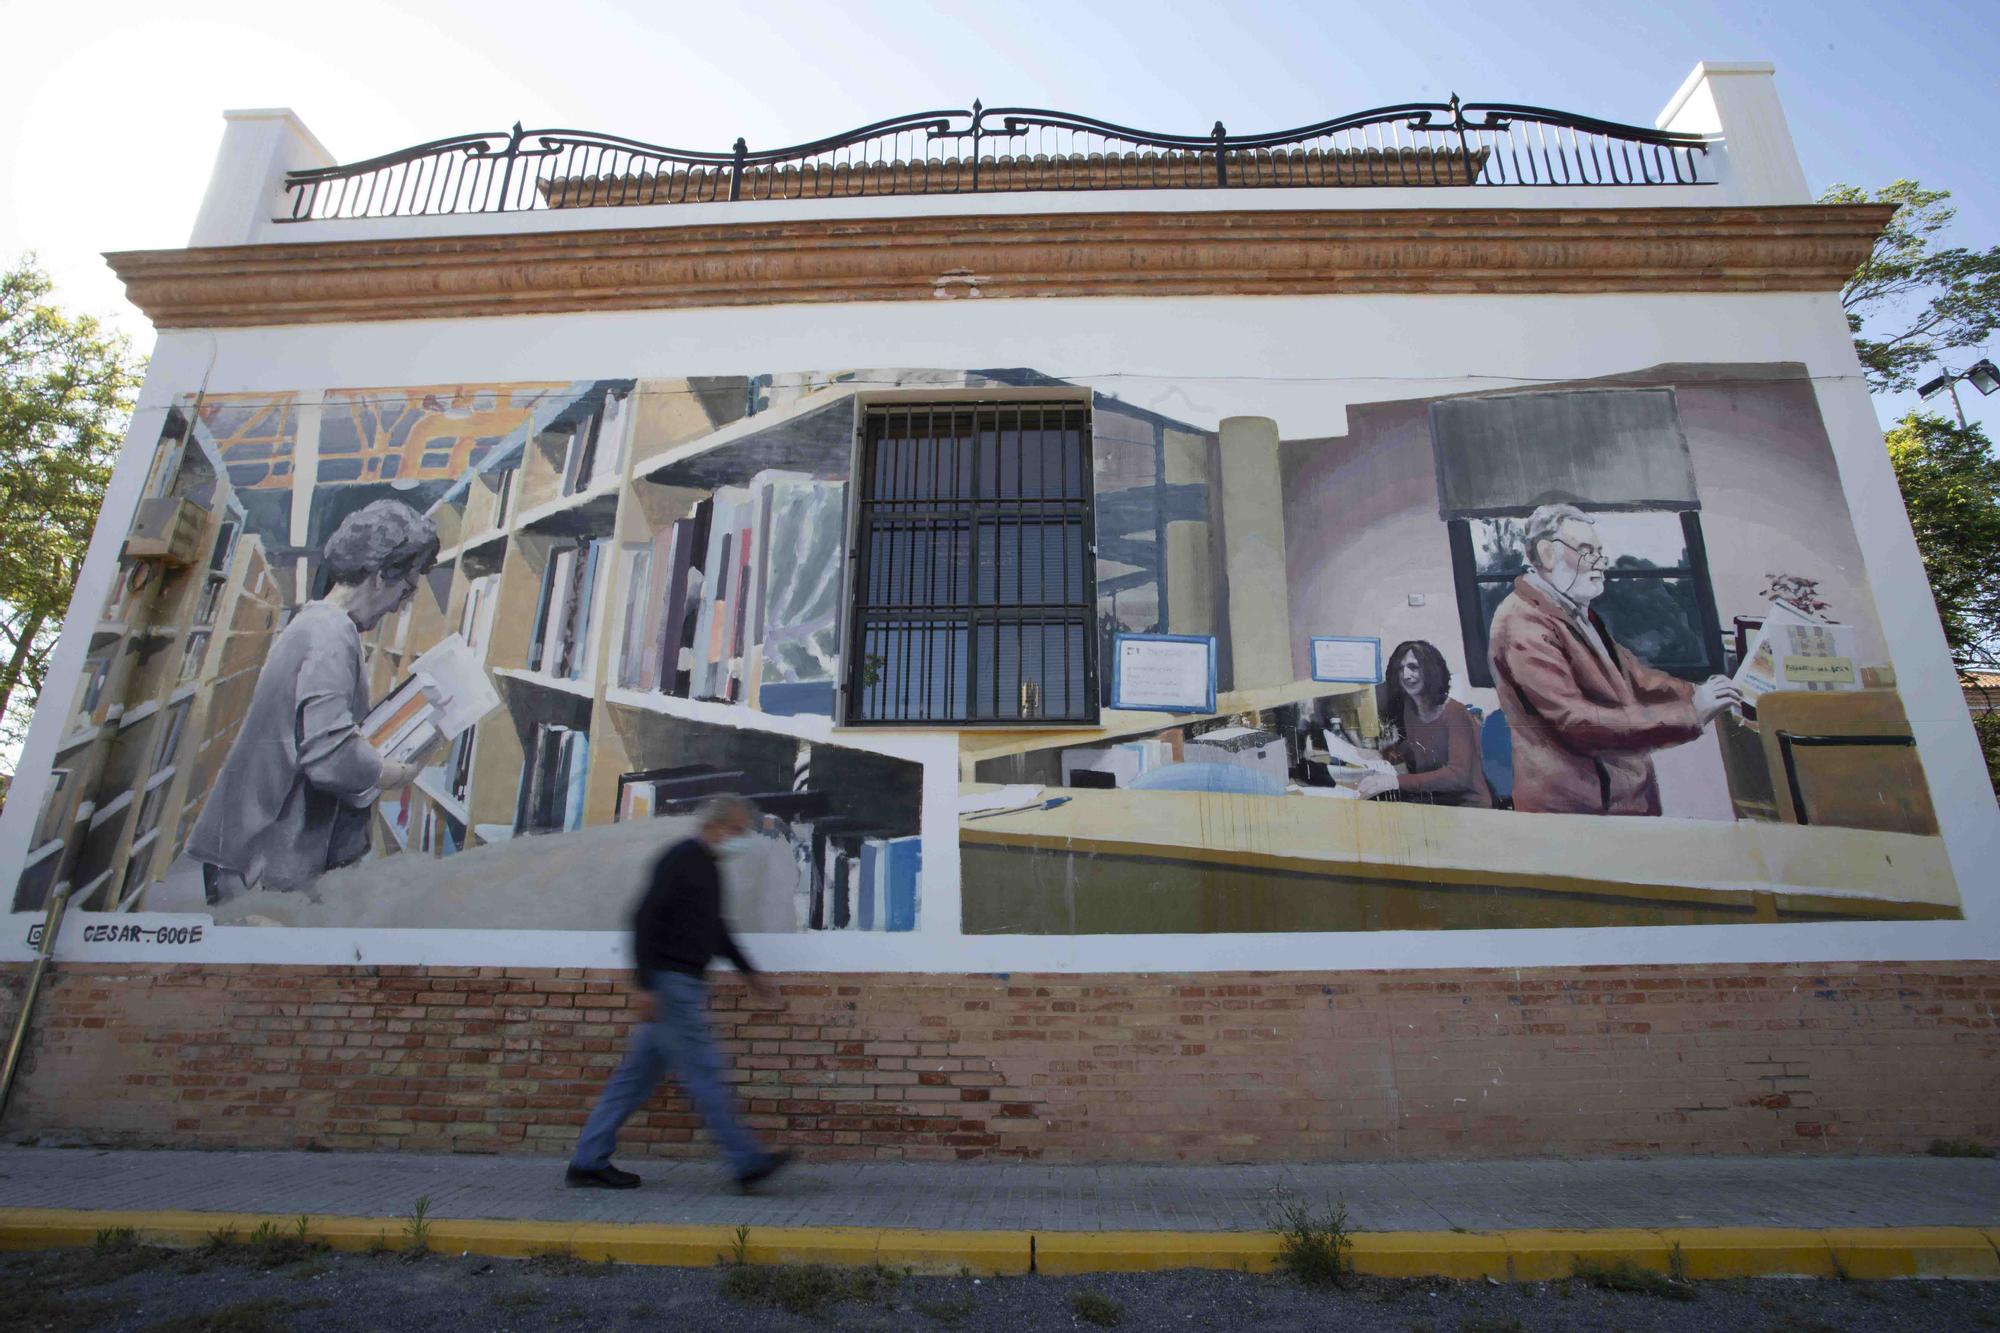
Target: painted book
{"points": [[905, 858]]}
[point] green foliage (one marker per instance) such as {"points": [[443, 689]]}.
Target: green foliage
{"points": [[273, 1246], [1914, 299], [113, 1240], [417, 1231], [66, 391], [1624, 1275], [1094, 1307], [807, 1289], [566, 1262], [944, 1309], [1951, 486], [1959, 1148], [1315, 1248]]}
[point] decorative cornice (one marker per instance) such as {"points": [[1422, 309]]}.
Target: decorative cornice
{"points": [[1798, 248]]}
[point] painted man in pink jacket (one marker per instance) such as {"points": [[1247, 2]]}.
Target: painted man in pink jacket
{"points": [[1586, 714]]}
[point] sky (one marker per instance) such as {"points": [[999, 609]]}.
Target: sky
{"points": [[110, 112]]}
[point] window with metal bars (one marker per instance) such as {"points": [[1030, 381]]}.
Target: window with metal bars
{"points": [[974, 592]]}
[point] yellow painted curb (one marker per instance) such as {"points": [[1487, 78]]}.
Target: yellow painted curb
{"points": [[1544, 1256], [1524, 1255], [1708, 1253], [1063, 1252], [1460, 1254], [1886, 1252]]}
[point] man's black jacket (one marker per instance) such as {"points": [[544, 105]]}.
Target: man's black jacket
{"points": [[678, 926]]}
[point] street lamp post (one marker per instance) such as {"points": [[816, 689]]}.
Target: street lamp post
{"points": [[1983, 375]]}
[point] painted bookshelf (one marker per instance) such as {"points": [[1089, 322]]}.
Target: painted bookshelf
{"points": [[172, 662], [518, 531]]}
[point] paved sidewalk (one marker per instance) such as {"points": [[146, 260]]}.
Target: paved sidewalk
{"points": [[1797, 1192]]}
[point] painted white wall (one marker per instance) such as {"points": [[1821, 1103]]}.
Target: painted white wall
{"points": [[1737, 101], [258, 148], [1299, 360], [1735, 104]]}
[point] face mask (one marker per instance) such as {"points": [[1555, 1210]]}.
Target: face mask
{"points": [[737, 845]]}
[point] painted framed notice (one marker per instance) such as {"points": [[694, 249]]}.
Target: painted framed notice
{"points": [[1354, 661], [1172, 673]]}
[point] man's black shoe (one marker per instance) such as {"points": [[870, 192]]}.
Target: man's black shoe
{"points": [[764, 1170], [603, 1178]]}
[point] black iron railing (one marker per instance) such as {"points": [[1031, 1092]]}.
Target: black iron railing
{"points": [[992, 149]]}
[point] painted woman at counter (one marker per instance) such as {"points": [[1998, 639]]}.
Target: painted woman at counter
{"points": [[1438, 745], [292, 799]]}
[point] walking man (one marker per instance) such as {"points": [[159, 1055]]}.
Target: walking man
{"points": [[677, 929]]}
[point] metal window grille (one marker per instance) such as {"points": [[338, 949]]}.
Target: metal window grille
{"points": [[974, 591]]}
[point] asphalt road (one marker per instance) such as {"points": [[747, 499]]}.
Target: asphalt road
{"points": [[238, 1289]]}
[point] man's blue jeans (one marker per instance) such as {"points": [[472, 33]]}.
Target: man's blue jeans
{"points": [[677, 1040]]}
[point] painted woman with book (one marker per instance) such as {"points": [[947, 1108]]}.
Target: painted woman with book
{"points": [[292, 799]]}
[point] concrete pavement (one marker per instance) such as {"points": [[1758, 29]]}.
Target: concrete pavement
{"points": [[1017, 1217]]}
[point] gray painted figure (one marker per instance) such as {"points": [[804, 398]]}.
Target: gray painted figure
{"points": [[292, 799]]}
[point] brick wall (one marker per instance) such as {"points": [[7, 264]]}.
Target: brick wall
{"points": [[1213, 1067]]}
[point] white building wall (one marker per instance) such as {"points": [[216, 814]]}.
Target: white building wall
{"points": [[1301, 361]]}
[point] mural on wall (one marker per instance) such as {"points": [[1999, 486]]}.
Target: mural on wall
{"points": [[507, 620], [1591, 616], [1595, 654]]}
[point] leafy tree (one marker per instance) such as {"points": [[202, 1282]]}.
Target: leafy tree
{"points": [[1914, 300], [66, 391], [1951, 486]]}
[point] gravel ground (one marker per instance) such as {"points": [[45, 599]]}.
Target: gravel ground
{"points": [[245, 1289]]}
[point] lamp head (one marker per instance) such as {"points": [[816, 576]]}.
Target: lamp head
{"points": [[1984, 376]]}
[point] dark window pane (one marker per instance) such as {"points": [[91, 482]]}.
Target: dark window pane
{"points": [[1652, 601], [1658, 619]]}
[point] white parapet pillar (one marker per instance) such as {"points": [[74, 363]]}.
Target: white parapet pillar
{"points": [[1253, 554], [246, 187], [1737, 101]]}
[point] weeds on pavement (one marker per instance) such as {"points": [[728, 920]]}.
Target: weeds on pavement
{"points": [[1958, 1148], [1094, 1307], [114, 1240], [270, 1246], [945, 1310], [417, 1231], [565, 1262], [1315, 1248], [807, 1289], [1624, 1275]]}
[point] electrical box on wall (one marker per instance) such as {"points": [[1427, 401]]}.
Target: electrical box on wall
{"points": [[167, 529]]}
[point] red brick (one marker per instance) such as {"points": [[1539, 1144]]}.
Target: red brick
{"points": [[1871, 1058]]}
